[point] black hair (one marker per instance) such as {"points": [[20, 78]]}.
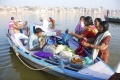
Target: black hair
{"points": [[37, 30], [82, 17], [12, 18], [89, 21], [98, 19], [105, 25]]}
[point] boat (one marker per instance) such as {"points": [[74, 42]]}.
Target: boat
{"points": [[112, 19], [99, 70]]}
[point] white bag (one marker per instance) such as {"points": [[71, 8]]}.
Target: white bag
{"points": [[65, 54], [49, 49], [60, 48]]}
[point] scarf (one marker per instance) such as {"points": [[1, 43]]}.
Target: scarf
{"points": [[97, 42]]}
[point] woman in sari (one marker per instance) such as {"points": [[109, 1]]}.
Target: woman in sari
{"points": [[97, 22], [80, 26], [101, 43], [89, 33]]}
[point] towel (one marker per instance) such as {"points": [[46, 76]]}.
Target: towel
{"points": [[97, 42]]}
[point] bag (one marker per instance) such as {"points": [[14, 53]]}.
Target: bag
{"points": [[43, 54], [70, 50], [65, 54], [60, 48], [49, 49], [80, 50], [65, 38]]}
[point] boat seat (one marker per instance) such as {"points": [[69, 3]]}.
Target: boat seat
{"points": [[98, 69]]}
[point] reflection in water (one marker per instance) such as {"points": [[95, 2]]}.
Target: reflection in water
{"points": [[10, 66]]}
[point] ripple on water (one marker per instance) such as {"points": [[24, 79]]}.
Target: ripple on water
{"points": [[5, 47], [4, 51], [3, 39]]}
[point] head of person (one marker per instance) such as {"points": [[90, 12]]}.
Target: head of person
{"points": [[97, 22], [38, 32], [88, 21], [104, 26], [12, 18], [82, 18], [50, 18], [41, 19]]}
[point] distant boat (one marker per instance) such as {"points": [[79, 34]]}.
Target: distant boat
{"points": [[112, 19]]}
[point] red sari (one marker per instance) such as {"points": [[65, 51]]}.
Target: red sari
{"points": [[88, 33]]}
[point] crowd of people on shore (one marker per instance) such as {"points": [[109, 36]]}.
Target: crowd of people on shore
{"points": [[91, 35]]}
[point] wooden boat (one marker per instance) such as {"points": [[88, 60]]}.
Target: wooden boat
{"points": [[96, 71], [113, 19]]}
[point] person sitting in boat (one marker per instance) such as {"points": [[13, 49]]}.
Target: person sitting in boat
{"points": [[101, 43], [11, 23], [97, 22], [89, 33], [80, 26], [53, 23], [45, 23], [10, 27], [20, 38], [36, 41]]}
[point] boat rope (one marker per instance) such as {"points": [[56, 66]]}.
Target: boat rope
{"points": [[17, 54]]}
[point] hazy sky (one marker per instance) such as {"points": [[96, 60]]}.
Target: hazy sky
{"points": [[107, 4]]}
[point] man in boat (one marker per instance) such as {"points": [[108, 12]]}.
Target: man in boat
{"points": [[44, 22], [11, 23], [53, 23], [37, 41], [10, 27], [20, 38], [107, 13]]}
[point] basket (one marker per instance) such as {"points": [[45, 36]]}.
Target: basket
{"points": [[77, 64]]}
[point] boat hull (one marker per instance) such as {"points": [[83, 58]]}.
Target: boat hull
{"points": [[113, 20], [56, 70]]}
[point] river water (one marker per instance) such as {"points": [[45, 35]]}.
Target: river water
{"points": [[12, 69]]}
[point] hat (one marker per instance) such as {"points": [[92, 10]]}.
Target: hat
{"points": [[37, 30]]}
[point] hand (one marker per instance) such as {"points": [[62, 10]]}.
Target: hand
{"points": [[40, 42], [69, 32], [85, 44]]}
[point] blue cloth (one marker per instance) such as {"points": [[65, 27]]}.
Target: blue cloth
{"points": [[65, 38]]}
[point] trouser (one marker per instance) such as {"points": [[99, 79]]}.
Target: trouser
{"points": [[18, 37]]}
